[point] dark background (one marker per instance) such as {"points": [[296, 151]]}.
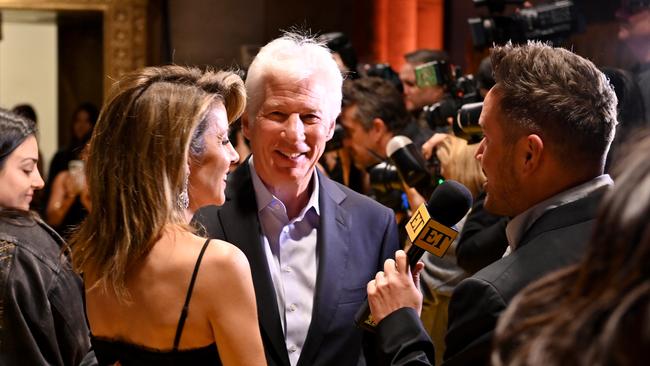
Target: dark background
{"points": [[225, 33]]}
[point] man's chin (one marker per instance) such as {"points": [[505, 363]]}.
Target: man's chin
{"points": [[490, 206]]}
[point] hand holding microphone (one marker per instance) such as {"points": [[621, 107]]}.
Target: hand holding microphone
{"points": [[394, 288], [430, 230]]}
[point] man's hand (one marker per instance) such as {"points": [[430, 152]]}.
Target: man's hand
{"points": [[394, 288], [428, 148]]}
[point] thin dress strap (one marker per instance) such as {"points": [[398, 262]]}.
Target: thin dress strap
{"points": [[181, 321]]}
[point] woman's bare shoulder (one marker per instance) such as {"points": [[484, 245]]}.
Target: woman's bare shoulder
{"points": [[223, 258]]}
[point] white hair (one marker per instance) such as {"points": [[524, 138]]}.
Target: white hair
{"points": [[295, 57]]}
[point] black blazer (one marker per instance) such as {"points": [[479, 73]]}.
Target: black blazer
{"points": [[557, 239], [402, 340], [356, 235]]}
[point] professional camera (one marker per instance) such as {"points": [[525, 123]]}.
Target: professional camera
{"points": [[405, 164], [466, 123], [553, 22], [461, 90], [383, 71]]}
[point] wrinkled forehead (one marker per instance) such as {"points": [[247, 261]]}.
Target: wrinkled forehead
{"points": [[308, 93]]}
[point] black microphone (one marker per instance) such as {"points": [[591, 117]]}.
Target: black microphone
{"points": [[410, 164], [430, 230]]}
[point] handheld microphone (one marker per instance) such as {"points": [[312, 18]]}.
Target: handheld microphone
{"points": [[429, 230], [410, 164]]}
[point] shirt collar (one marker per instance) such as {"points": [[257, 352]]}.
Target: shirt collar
{"points": [[519, 224], [264, 197]]}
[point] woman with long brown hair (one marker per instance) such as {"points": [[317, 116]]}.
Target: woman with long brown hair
{"points": [[596, 312], [156, 293], [41, 308]]}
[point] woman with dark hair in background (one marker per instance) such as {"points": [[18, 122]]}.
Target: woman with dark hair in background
{"points": [[596, 312], [41, 309], [83, 122], [69, 200], [156, 293]]}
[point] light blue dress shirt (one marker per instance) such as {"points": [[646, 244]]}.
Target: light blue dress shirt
{"points": [[290, 247]]}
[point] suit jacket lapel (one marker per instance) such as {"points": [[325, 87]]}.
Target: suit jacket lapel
{"points": [[241, 226], [332, 247], [569, 214]]}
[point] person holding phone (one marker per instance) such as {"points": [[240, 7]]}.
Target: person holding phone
{"points": [[69, 200]]}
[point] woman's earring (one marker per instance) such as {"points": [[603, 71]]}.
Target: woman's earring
{"points": [[183, 198]]}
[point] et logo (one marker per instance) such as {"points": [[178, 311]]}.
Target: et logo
{"points": [[429, 234]]}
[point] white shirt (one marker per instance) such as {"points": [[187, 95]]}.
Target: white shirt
{"points": [[290, 247]]}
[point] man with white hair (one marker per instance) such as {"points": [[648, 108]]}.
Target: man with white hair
{"points": [[312, 244]]}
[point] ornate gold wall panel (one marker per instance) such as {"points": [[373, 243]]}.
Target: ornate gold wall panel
{"points": [[125, 30]]}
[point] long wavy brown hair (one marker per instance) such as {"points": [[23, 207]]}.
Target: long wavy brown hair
{"points": [[137, 165], [598, 311]]}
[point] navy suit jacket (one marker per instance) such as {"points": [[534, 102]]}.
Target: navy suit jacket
{"points": [[356, 235]]}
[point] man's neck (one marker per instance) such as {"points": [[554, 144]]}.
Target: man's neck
{"points": [[294, 199]]}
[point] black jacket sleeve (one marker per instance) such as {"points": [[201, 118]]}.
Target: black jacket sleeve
{"points": [[482, 239], [473, 312], [403, 341]]}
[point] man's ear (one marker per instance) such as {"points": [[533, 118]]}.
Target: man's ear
{"points": [[245, 128], [378, 127], [330, 132], [532, 150]]}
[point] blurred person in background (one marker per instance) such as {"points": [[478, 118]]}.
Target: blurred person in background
{"points": [[83, 122], [69, 201], [42, 319], [336, 161], [373, 113], [484, 78], [416, 97], [343, 53], [635, 31], [630, 111]]}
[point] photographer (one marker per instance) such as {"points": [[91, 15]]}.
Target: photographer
{"points": [[373, 112], [416, 97]]}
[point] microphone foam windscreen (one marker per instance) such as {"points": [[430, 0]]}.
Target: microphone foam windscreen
{"points": [[449, 203]]}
